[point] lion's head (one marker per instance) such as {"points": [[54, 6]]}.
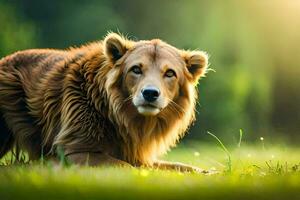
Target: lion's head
{"points": [[151, 87]]}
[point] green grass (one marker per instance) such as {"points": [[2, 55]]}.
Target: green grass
{"points": [[257, 173]]}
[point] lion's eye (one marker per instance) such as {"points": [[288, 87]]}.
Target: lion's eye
{"points": [[136, 69], [170, 73]]}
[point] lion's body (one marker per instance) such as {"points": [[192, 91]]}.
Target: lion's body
{"points": [[71, 99]]}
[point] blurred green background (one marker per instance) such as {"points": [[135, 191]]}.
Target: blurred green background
{"points": [[254, 48]]}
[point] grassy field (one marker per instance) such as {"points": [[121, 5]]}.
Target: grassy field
{"points": [[257, 172]]}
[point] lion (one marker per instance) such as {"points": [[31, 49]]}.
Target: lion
{"points": [[115, 102]]}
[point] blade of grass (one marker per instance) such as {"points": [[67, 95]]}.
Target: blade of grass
{"points": [[229, 162], [240, 139]]}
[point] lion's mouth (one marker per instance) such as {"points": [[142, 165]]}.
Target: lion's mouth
{"points": [[148, 109]]}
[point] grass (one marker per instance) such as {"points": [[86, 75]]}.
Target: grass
{"points": [[269, 173], [229, 163]]}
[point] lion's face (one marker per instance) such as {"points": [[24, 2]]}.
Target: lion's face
{"points": [[152, 76], [153, 72]]}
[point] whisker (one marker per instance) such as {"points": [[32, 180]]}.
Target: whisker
{"points": [[175, 106], [126, 100]]}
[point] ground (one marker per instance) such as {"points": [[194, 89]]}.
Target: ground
{"points": [[258, 172]]}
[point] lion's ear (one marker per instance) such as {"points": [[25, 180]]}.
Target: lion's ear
{"points": [[196, 63], [115, 46]]}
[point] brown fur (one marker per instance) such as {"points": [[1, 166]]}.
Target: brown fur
{"points": [[77, 100]]}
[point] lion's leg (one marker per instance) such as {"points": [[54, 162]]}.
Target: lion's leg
{"points": [[96, 159], [165, 165]]}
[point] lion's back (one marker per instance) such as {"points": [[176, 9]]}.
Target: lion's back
{"points": [[30, 86]]}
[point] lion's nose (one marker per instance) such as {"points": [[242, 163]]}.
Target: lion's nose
{"points": [[150, 93]]}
